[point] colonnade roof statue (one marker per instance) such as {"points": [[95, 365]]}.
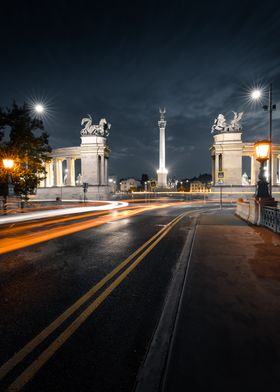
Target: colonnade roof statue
{"points": [[90, 129], [220, 125]]}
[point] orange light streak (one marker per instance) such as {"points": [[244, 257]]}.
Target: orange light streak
{"points": [[24, 240]]}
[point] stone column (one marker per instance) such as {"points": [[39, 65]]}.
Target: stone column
{"points": [[274, 167], [44, 182], [54, 173], [70, 181], [162, 171], [106, 171], [213, 169], [253, 170], [51, 174], [216, 168], [58, 171], [102, 180], [278, 169], [47, 180]]}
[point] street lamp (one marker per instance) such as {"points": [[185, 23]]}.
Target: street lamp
{"points": [[256, 95], [262, 150], [8, 165]]}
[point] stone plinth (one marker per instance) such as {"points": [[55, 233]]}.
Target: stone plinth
{"points": [[227, 158], [94, 155]]}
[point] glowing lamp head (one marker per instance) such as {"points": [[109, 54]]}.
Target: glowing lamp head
{"points": [[262, 150], [8, 163], [256, 94], [39, 108]]}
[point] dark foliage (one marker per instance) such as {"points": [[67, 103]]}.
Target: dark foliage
{"points": [[28, 150]]}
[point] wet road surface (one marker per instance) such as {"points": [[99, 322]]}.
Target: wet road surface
{"points": [[99, 343]]}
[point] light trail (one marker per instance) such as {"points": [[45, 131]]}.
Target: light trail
{"points": [[28, 239], [47, 214], [44, 223]]}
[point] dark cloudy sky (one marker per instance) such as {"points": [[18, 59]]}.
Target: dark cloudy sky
{"points": [[123, 59]]}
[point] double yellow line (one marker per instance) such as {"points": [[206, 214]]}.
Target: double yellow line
{"points": [[131, 263]]}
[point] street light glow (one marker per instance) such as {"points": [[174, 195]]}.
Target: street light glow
{"points": [[262, 149], [39, 108], [8, 163], [256, 94]]}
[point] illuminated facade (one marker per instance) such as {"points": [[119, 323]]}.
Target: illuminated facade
{"points": [[74, 168]]}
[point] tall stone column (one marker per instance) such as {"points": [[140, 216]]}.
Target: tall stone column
{"points": [[162, 172]]}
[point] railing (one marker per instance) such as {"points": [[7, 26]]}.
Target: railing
{"points": [[271, 218]]}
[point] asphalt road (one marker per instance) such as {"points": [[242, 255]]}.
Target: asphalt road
{"points": [[100, 343]]}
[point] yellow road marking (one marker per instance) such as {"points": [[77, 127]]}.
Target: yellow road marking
{"points": [[29, 347], [35, 366]]}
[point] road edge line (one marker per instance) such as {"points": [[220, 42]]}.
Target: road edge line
{"points": [[151, 372]]}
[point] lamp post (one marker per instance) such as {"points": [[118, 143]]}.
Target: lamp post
{"points": [[262, 150], [8, 165], [256, 95]]}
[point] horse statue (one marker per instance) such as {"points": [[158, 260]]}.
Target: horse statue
{"points": [[220, 124], [89, 128], [95, 130]]}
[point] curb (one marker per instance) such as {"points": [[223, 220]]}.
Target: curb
{"points": [[151, 373]]}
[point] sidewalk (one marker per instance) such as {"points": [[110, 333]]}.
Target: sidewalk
{"points": [[227, 331]]}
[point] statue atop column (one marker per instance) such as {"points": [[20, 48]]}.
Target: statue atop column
{"points": [[220, 124], [162, 121], [90, 129]]}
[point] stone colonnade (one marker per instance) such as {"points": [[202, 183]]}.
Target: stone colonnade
{"points": [[93, 153], [227, 152]]}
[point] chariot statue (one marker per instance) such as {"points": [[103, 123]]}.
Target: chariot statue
{"points": [[220, 124], [90, 129]]}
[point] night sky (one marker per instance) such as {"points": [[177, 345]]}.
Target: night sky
{"points": [[123, 59]]}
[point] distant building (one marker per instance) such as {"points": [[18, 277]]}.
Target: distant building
{"points": [[199, 187], [129, 184]]}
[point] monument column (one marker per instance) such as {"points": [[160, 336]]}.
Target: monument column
{"points": [[162, 172]]}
